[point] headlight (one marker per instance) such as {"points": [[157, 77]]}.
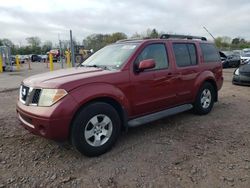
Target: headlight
{"points": [[49, 97], [236, 72]]}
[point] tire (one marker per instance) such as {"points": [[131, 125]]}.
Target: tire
{"points": [[204, 101], [95, 129]]}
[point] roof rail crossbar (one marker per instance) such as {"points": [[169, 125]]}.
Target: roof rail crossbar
{"points": [[167, 36], [127, 40]]}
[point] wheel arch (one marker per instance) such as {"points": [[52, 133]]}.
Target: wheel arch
{"points": [[206, 76], [213, 83], [122, 112]]}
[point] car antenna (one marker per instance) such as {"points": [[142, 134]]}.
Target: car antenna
{"points": [[208, 32]]}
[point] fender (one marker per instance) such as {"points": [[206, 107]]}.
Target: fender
{"points": [[88, 92], [206, 75]]}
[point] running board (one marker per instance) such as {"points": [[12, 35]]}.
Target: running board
{"points": [[158, 115]]}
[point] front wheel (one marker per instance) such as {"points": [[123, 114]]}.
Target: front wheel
{"points": [[205, 99], [95, 129]]}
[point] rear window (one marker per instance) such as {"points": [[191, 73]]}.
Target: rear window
{"points": [[185, 54], [210, 53]]}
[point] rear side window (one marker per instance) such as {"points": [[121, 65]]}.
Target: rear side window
{"points": [[210, 53], [185, 54]]}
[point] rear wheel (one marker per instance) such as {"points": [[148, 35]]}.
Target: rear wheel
{"points": [[205, 99], [95, 129]]}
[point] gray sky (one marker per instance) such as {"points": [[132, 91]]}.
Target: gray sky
{"points": [[46, 19]]}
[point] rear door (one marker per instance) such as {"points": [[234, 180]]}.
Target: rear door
{"points": [[187, 68]]}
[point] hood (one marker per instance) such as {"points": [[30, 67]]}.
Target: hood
{"points": [[222, 55], [245, 68], [64, 78], [245, 57]]}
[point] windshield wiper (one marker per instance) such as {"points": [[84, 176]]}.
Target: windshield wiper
{"points": [[97, 66]]}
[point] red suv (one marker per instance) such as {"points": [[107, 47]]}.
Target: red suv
{"points": [[125, 84]]}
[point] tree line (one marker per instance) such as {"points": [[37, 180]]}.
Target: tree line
{"points": [[97, 41], [226, 43]]}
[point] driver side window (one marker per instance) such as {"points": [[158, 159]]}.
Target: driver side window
{"points": [[156, 52]]}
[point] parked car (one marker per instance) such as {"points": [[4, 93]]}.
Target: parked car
{"points": [[13, 59], [125, 84], [21, 58], [44, 58], [35, 58], [245, 58], [237, 52], [246, 50], [242, 75], [229, 59]]}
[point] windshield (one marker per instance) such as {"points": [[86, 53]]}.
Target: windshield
{"points": [[111, 57], [246, 55], [227, 53]]}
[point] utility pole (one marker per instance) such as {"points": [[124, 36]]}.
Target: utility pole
{"points": [[72, 50], [208, 32]]}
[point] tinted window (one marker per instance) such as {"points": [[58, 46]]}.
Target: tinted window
{"points": [[192, 53], [210, 53], [156, 52], [185, 54]]}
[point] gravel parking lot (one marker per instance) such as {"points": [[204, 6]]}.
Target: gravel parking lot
{"points": [[185, 150]]}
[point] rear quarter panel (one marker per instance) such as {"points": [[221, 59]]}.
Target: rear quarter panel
{"points": [[208, 71]]}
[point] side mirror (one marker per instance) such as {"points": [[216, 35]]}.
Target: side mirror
{"points": [[146, 64]]}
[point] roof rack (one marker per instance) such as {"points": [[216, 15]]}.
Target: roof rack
{"points": [[167, 36]]}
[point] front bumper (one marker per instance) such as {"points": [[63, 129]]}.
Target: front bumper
{"points": [[241, 80], [49, 122]]}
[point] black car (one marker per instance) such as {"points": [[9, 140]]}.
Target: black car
{"points": [[242, 75], [35, 58], [229, 59]]}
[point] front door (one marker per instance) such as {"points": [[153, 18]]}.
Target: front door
{"points": [[153, 89]]}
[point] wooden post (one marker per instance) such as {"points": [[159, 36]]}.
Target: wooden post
{"points": [[29, 62]]}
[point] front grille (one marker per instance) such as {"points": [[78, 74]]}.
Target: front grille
{"points": [[245, 82], [29, 95], [245, 74], [36, 96]]}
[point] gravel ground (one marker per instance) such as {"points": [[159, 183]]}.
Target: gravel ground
{"points": [[185, 150]]}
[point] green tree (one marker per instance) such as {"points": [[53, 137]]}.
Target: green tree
{"points": [[236, 41], [47, 46], [154, 34], [116, 36], [149, 33], [34, 43], [97, 41], [223, 43], [136, 35], [7, 42]]}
